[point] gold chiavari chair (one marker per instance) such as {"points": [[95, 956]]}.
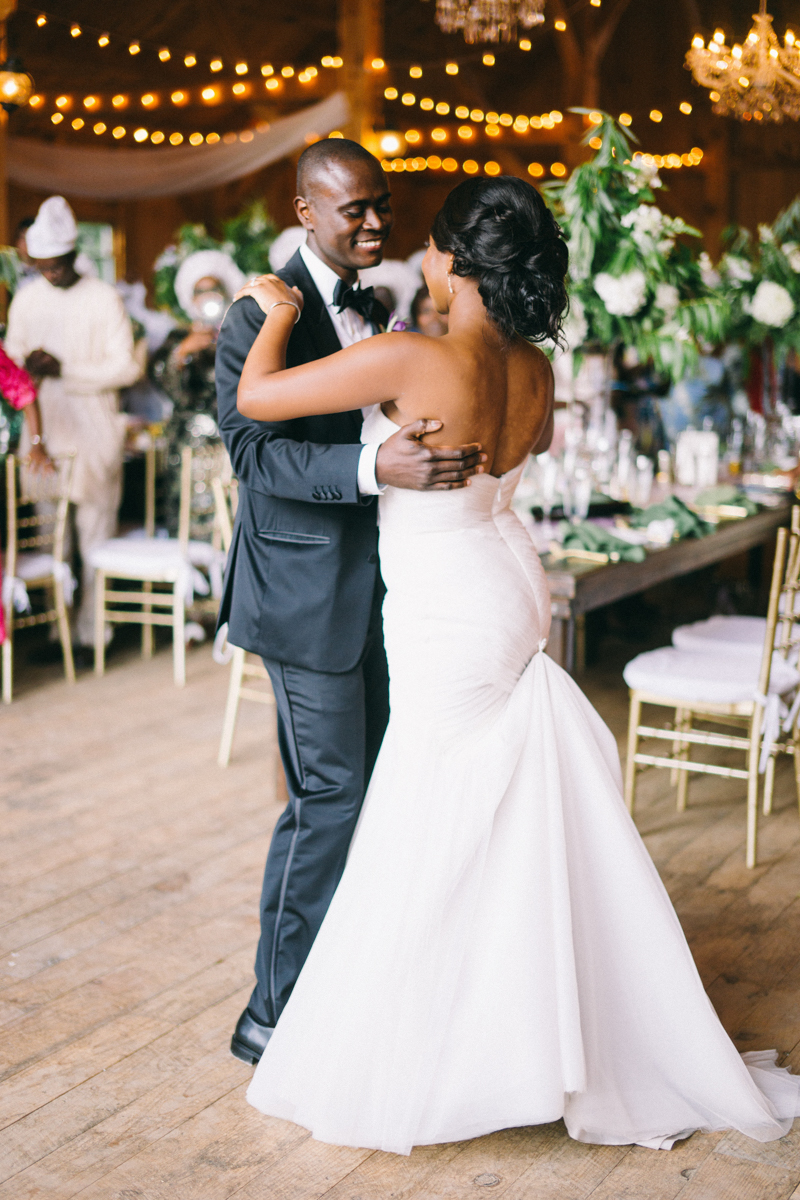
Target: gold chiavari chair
{"points": [[744, 690], [37, 505], [168, 570], [246, 669]]}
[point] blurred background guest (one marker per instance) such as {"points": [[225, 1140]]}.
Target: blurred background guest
{"points": [[424, 317], [183, 367], [72, 334], [26, 271]]}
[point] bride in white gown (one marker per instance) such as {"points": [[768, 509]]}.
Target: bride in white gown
{"points": [[500, 950]]}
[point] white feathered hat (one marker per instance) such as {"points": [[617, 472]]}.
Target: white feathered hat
{"points": [[213, 263], [284, 246], [54, 232]]}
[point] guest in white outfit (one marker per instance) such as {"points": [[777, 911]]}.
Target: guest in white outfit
{"points": [[73, 335]]}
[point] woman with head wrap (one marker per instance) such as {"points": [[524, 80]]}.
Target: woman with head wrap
{"points": [[72, 334], [205, 284]]}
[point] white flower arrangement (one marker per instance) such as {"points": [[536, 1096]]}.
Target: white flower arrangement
{"points": [[576, 327], [667, 298], [711, 277], [771, 304], [623, 295], [631, 273], [761, 282], [791, 251], [736, 269]]}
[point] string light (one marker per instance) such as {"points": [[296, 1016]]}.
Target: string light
{"points": [[99, 128], [241, 68], [157, 137], [118, 132], [134, 48], [560, 25], [103, 40], [434, 163], [75, 30], [141, 135], [175, 139], [57, 118], [164, 54], [190, 61], [78, 123], [41, 20], [215, 65]]}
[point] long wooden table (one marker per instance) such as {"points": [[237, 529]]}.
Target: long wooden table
{"points": [[578, 587]]}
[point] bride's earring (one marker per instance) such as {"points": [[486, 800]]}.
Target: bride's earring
{"points": [[450, 283]]}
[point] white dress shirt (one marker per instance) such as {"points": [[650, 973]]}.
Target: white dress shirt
{"points": [[350, 328]]}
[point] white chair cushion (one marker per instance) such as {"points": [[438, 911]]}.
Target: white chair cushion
{"points": [[159, 560], [34, 566], [715, 679], [725, 635]]}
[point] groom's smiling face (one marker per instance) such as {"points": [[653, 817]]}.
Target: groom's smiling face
{"points": [[348, 215]]}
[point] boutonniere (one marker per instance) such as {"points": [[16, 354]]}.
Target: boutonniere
{"points": [[395, 325]]}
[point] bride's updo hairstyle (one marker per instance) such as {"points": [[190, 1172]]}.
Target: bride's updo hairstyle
{"points": [[502, 234]]}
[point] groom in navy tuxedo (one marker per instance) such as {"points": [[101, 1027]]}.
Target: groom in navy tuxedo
{"points": [[303, 587]]}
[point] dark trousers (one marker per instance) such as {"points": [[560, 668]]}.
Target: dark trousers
{"points": [[330, 728]]}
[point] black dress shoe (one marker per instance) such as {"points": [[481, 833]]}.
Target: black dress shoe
{"points": [[249, 1038]]}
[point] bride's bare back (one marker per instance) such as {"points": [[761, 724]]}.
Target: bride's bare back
{"points": [[482, 389]]}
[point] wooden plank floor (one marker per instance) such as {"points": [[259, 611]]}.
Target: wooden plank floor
{"points": [[130, 869]]}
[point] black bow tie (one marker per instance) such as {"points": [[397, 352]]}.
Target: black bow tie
{"points": [[361, 299]]}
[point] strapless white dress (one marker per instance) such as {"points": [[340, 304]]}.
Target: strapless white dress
{"points": [[500, 951]]}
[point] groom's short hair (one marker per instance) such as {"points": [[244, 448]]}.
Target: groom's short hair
{"points": [[316, 158]]}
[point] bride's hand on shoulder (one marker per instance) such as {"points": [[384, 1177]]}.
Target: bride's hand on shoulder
{"points": [[268, 290]]}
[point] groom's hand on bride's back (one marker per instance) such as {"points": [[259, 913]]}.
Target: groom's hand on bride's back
{"points": [[405, 461]]}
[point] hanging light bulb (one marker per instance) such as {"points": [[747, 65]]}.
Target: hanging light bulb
{"points": [[757, 80], [488, 20], [16, 85]]}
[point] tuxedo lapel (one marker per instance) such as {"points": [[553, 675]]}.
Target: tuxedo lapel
{"points": [[316, 320]]}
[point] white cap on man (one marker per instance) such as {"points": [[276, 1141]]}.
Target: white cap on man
{"points": [[54, 232]]}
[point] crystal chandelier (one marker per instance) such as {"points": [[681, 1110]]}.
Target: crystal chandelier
{"points": [[488, 20], [757, 81]]}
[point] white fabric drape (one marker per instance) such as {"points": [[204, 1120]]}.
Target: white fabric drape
{"points": [[136, 174]]}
